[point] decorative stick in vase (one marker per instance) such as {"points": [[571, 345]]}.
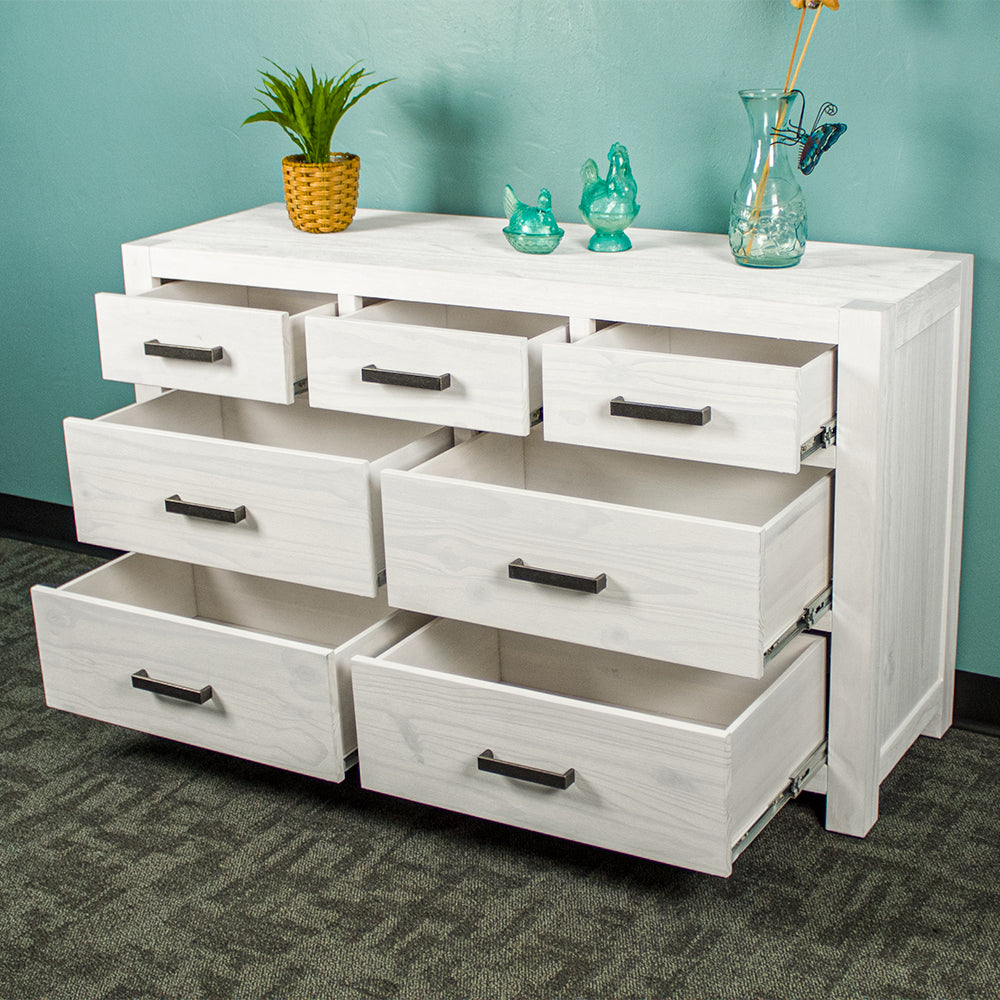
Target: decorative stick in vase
{"points": [[789, 85]]}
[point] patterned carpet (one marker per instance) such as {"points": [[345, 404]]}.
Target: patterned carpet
{"points": [[131, 867]]}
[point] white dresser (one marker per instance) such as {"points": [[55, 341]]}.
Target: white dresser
{"points": [[548, 540]]}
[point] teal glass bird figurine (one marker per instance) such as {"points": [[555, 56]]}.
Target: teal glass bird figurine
{"points": [[531, 228], [609, 205]]}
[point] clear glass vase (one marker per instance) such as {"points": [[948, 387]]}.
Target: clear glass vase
{"points": [[767, 219]]}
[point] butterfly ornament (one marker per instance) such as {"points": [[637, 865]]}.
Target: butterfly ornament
{"points": [[815, 142]]}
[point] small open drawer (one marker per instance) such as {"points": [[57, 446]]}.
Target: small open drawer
{"points": [[474, 368], [224, 339], [246, 666], [282, 491], [638, 756], [701, 564], [711, 397]]}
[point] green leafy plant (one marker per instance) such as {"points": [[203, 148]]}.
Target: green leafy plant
{"points": [[310, 114]]}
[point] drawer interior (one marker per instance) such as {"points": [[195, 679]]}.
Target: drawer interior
{"points": [[297, 426], [693, 489], [275, 299], [306, 614], [514, 324], [581, 672], [705, 344]]}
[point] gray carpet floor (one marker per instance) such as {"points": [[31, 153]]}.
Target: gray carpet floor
{"points": [[133, 867]]}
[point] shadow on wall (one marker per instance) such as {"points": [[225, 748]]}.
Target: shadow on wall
{"points": [[457, 137]]}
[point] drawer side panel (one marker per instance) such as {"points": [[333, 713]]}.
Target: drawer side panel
{"points": [[788, 723]]}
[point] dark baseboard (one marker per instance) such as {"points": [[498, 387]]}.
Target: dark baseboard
{"points": [[977, 696], [45, 523], [977, 702]]}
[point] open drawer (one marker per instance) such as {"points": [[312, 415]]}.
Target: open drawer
{"points": [[711, 397], [476, 368], [224, 339], [233, 663], [643, 757], [282, 491], [701, 564]]}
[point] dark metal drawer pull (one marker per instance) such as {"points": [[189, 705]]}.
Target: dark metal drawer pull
{"points": [[181, 352], [516, 570], [551, 779], [142, 680], [621, 407], [412, 380], [229, 515]]}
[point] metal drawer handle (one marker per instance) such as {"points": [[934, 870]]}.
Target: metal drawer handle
{"points": [[181, 352], [412, 380], [523, 772], [229, 515], [142, 681], [621, 407], [516, 570]]}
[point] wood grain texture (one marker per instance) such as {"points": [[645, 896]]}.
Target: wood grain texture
{"points": [[277, 655], [761, 412], [263, 346], [309, 515], [958, 431], [650, 785], [679, 587], [492, 360], [672, 278], [902, 388], [887, 310], [271, 698]]}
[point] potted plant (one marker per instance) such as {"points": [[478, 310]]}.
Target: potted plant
{"points": [[321, 187]]}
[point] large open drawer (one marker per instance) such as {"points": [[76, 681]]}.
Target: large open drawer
{"points": [[651, 759]]}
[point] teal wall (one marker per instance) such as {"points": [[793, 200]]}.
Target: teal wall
{"points": [[121, 119]]}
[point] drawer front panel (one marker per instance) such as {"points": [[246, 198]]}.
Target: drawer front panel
{"points": [[307, 518], [660, 788], [749, 415], [271, 699], [484, 381], [672, 588], [204, 346]]}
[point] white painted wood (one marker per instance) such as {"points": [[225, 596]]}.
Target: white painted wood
{"points": [[901, 419], [580, 327], [894, 314], [136, 272], [271, 699], [347, 303], [493, 361], [859, 618], [304, 476], [899, 741], [671, 279], [957, 432], [914, 572], [674, 781], [767, 397], [261, 333], [684, 565], [279, 698]]}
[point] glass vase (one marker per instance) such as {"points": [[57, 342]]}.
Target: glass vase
{"points": [[767, 219]]}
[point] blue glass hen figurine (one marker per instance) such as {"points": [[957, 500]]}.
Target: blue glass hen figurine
{"points": [[531, 229], [609, 205]]}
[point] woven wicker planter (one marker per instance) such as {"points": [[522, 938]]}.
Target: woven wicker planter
{"points": [[321, 197]]}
